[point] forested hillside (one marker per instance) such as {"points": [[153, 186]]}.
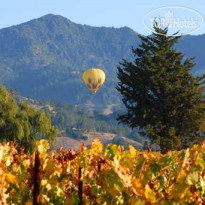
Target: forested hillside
{"points": [[44, 58], [76, 124]]}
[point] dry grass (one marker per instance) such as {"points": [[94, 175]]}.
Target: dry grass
{"points": [[69, 143]]}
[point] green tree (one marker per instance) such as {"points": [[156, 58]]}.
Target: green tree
{"points": [[160, 94], [22, 123]]}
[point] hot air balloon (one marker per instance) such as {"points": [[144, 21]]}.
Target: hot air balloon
{"points": [[94, 78]]}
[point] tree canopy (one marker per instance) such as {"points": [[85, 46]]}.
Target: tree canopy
{"points": [[22, 123], [160, 94]]}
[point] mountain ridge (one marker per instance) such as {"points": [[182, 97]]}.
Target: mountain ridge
{"points": [[44, 58]]}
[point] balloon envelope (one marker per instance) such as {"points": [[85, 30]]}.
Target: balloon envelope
{"points": [[94, 78]]}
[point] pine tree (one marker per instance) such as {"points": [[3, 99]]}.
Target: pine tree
{"points": [[160, 94]]}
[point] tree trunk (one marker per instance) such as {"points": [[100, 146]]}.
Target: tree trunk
{"points": [[80, 187], [36, 191], [165, 145]]}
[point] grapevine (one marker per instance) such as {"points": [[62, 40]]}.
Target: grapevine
{"points": [[101, 175]]}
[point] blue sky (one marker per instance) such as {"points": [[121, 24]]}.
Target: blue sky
{"points": [[115, 13]]}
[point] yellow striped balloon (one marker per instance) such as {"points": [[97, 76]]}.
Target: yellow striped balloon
{"points": [[94, 78]]}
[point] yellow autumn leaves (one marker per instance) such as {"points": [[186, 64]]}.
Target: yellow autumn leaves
{"points": [[108, 175]]}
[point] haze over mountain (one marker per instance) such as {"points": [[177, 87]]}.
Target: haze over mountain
{"points": [[44, 58]]}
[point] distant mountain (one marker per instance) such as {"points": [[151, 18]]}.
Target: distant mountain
{"points": [[44, 58], [194, 46]]}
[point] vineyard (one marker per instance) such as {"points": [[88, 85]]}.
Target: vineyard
{"points": [[101, 175]]}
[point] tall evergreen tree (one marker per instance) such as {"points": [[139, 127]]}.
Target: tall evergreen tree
{"points": [[160, 94]]}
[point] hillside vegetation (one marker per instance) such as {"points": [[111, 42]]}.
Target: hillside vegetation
{"points": [[76, 124], [44, 58]]}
